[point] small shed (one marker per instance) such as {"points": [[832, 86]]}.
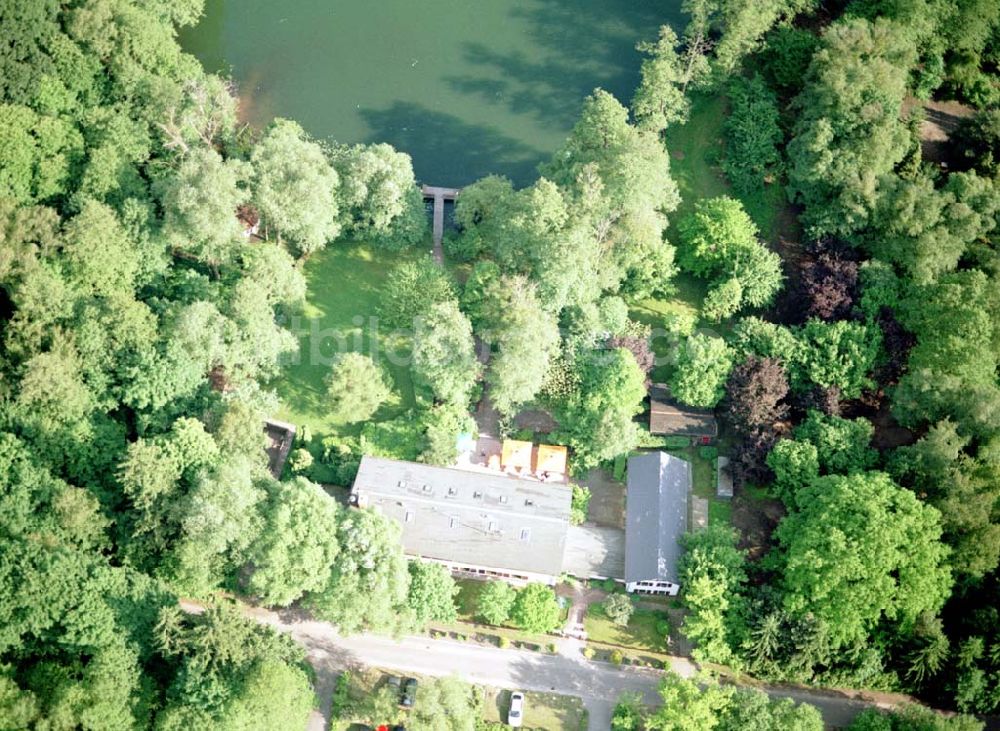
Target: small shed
{"points": [[550, 459], [724, 478], [516, 455], [668, 417]]}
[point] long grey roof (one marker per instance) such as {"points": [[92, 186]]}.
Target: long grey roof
{"points": [[656, 515], [474, 518]]}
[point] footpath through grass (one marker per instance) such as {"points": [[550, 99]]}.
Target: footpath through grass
{"points": [[345, 282]]}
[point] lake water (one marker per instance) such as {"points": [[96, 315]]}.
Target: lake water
{"points": [[467, 87]]}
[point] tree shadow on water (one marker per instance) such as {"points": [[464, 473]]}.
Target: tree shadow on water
{"points": [[581, 44], [442, 144]]}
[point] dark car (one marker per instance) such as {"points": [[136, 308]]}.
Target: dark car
{"points": [[409, 692]]}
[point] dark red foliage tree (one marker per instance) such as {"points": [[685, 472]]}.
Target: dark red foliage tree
{"points": [[755, 394], [639, 348], [755, 409], [829, 285]]}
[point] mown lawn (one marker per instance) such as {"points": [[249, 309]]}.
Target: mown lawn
{"points": [[345, 282], [697, 149], [541, 710], [641, 633]]}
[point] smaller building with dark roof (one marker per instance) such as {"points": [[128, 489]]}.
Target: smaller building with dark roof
{"points": [[656, 516], [668, 417]]}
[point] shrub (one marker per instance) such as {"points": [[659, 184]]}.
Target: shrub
{"points": [[621, 462], [616, 657], [552, 648], [578, 508], [355, 387], [619, 609], [341, 702], [536, 609], [503, 643], [300, 460], [675, 442], [708, 454], [588, 652]]}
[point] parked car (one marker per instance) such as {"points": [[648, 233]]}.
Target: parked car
{"points": [[409, 693], [515, 715]]}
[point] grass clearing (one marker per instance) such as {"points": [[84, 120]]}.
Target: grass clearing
{"points": [[345, 282], [641, 633], [547, 711], [697, 149]]}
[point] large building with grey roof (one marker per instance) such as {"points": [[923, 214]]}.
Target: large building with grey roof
{"points": [[656, 516], [477, 523]]}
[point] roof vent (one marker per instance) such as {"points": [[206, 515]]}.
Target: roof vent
{"points": [[503, 499], [453, 522], [525, 534], [492, 526], [452, 491], [477, 495], [401, 483], [528, 502], [427, 488], [408, 517]]}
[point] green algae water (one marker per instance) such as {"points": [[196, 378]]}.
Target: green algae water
{"points": [[466, 87]]}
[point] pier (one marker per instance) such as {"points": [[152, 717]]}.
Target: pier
{"points": [[439, 195]]}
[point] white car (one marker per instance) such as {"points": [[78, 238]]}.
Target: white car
{"points": [[515, 716]]}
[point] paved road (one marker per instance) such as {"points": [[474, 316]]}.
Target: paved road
{"points": [[568, 673]]}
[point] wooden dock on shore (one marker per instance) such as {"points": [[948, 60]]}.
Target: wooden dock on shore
{"points": [[439, 195]]}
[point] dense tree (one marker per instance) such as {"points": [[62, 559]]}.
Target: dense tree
{"points": [[795, 465], [298, 546], [752, 136], [378, 194], [598, 416], [964, 488], [840, 354], [444, 355], [829, 282], [743, 25], [295, 187], [702, 367], [495, 602], [432, 592], [356, 387], [925, 230], [659, 100], [842, 445], [719, 242], [849, 133], [686, 706], [536, 609], [621, 177], [525, 335], [976, 142], [369, 581], [860, 549], [713, 574], [445, 704], [952, 368], [199, 200], [411, 289], [755, 393]]}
